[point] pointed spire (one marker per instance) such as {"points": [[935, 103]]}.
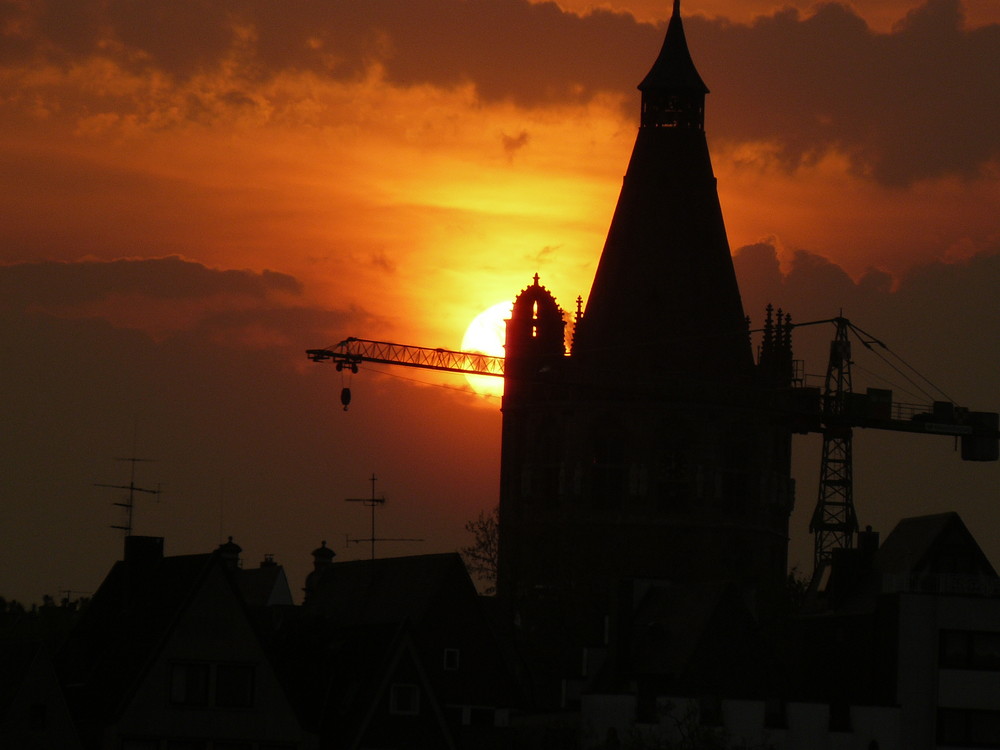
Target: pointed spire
{"points": [[665, 292], [673, 94]]}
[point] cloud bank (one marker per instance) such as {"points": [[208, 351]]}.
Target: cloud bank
{"points": [[918, 102]]}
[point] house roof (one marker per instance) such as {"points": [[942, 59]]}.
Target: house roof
{"points": [[939, 543], [389, 589], [263, 586], [922, 553], [127, 619], [16, 659]]}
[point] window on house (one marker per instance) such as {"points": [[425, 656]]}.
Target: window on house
{"points": [[968, 727], [451, 658], [961, 649], [234, 685], [404, 699], [189, 684]]}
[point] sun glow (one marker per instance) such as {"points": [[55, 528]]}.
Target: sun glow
{"points": [[486, 334]]}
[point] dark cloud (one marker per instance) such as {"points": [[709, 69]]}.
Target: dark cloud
{"points": [[940, 317], [514, 143], [918, 102], [50, 284], [912, 104]]}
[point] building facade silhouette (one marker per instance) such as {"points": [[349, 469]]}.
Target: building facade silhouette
{"points": [[644, 450]]}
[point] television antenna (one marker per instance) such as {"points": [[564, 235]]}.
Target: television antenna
{"points": [[373, 502], [129, 503]]}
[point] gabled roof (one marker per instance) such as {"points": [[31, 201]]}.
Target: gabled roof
{"points": [[939, 543], [674, 69], [125, 622], [266, 586], [28, 680], [16, 659], [339, 677], [389, 589], [931, 554], [369, 659]]}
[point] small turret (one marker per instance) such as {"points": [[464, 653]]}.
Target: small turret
{"points": [[535, 342], [322, 556], [229, 553], [536, 326], [322, 559]]}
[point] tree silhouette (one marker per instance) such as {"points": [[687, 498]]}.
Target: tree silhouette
{"points": [[481, 556]]}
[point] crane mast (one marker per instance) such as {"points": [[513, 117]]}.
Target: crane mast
{"points": [[840, 410], [834, 522]]}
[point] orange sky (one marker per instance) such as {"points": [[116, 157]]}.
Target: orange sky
{"points": [[193, 194]]}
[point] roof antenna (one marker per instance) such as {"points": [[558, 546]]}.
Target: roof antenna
{"points": [[129, 503], [372, 502]]}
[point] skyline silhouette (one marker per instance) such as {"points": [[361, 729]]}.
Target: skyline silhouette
{"points": [[182, 226]]}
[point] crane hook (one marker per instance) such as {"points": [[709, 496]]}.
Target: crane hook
{"points": [[345, 397]]}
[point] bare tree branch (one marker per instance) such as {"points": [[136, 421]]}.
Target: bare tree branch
{"points": [[481, 556]]}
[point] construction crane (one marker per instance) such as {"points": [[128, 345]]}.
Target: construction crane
{"points": [[837, 410], [834, 411], [351, 352]]}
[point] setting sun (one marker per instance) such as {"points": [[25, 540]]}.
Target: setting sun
{"points": [[486, 334]]}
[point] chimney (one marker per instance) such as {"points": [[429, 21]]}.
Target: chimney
{"points": [[868, 546], [143, 550]]}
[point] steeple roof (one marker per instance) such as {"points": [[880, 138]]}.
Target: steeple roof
{"points": [[665, 296], [674, 69]]}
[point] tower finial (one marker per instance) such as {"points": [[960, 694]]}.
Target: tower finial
{"points": [[677, 7]]}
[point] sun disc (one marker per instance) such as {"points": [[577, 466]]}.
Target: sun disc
{"points": [[486, 334]]}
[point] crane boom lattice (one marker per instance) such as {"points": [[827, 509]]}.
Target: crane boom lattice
{"points": [[351, 352]]}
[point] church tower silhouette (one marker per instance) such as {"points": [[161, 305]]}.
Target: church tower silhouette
{"points": [[647, 452]]}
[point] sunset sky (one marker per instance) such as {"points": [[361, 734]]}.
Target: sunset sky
{"points": [[195, 193]]}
